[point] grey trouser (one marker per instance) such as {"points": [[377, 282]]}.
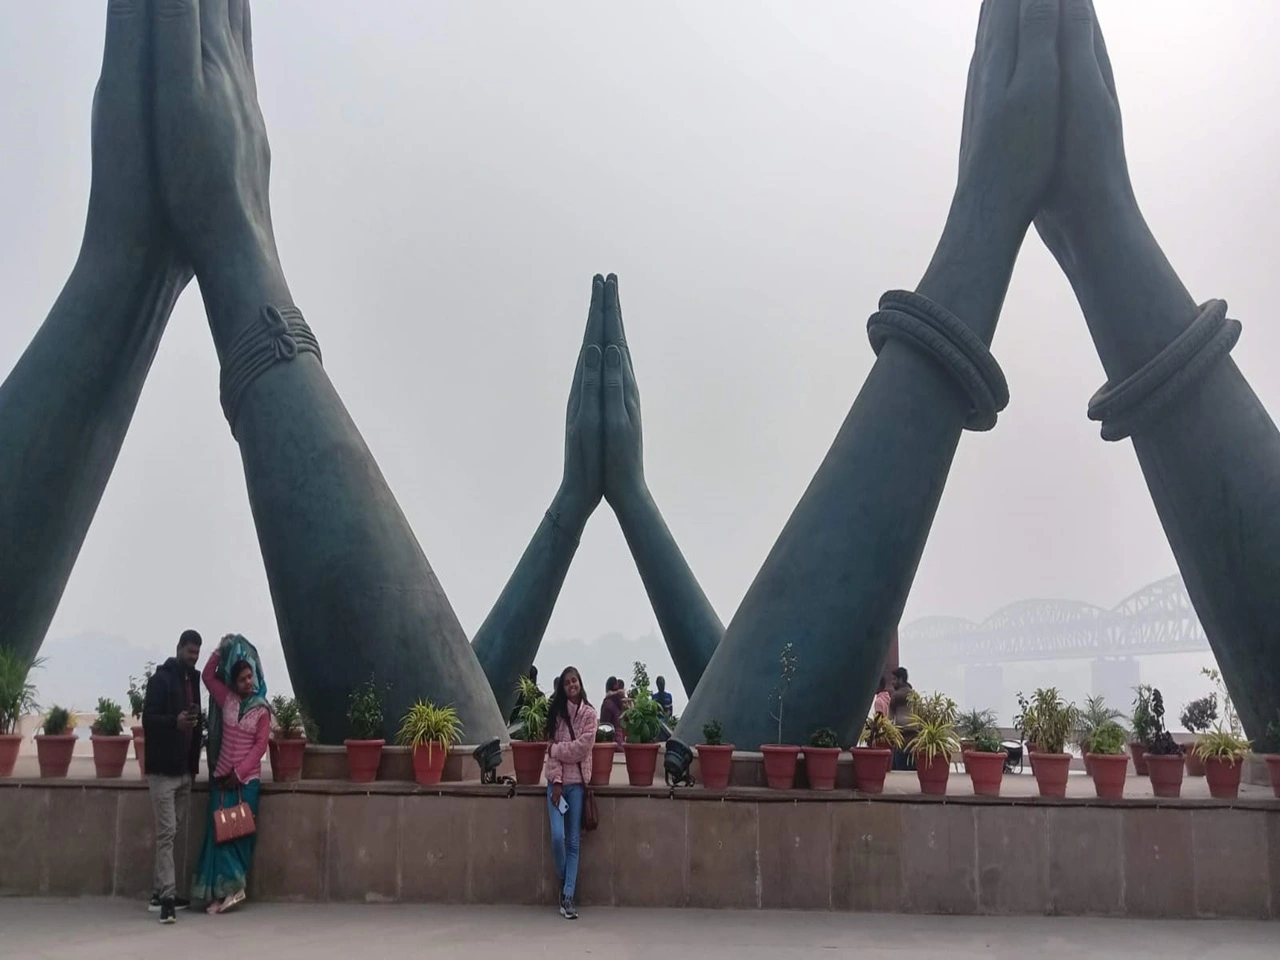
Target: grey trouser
{"points": [[169, 800]]}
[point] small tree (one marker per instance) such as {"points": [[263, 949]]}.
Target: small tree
{"points": [[364, 710], [787, 663], [110, 719], [1198, 715]]}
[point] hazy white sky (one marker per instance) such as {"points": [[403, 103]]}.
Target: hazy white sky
{"points": [[448, 177]]}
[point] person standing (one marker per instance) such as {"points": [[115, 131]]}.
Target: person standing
{"points": [[881, 703], [612, 708], [900, 714], [571, 730], [172, 726], [663, 697], [239, 730]]}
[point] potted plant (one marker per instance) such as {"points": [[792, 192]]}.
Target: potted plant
{"points": [[529, 742], [1105, 749], [17, 699], [822, 758], [137, 701], [780, 758], [1144, 727], [880, 737], [715, 757], [1198, 717], [642, 722], [1165, 762], [110, 742], [289, 735], [55, 742], [364, 748], [1223, 754], [602, 754], [429, 731], [984, 763], [933, 718], [1093, 715], [1050, 721], [973, 725]]}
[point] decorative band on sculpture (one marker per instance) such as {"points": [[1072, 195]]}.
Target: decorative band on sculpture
{"points": [[1138, 400], [945, 337], [279, 336]]}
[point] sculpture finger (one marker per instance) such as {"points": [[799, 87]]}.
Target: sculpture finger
{"points": [[176, 42], [595, 315], [235, 20], [1104, 58], [215, 25], [1038, 44], [1000, 42], [1080, 66], [613, 332]]}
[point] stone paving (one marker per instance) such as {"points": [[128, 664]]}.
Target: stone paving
{"points": [[115, 929]]}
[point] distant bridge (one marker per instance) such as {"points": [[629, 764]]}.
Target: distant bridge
{"points": [[1157, 619]]}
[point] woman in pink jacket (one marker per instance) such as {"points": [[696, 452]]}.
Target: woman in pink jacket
{"points": [[571, 730]]}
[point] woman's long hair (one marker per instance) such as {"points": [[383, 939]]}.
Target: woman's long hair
{"points": [[558, 707]]}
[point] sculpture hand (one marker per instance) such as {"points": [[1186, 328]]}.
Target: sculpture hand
{"points": [[1009, 136], [623, 437], [211, 141], [583, 454], [126, 218], [1092, 176]]}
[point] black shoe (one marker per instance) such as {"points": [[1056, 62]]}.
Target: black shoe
{"points": [[568, 910], [167, 914], [179, 903]]}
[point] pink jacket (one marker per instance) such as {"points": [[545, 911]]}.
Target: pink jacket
{"points": [[244, 739], [569, 756]]}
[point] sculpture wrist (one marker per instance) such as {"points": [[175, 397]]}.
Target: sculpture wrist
{"points": [[632, 504], [569, 512]]}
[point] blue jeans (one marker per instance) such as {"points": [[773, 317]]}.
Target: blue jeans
{"points": [[566, 831]]}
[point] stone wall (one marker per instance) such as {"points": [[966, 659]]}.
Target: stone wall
{"points": [[467, 843]]}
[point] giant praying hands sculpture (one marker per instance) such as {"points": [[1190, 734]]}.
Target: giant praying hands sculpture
{"points": [[352, 590]]}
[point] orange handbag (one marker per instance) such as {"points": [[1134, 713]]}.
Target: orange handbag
{"points": [[232, 823]]}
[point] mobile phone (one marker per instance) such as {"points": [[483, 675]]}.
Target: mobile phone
{"points": [[564, 805]]}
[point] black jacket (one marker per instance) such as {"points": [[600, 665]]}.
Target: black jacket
{"points": [[171, 752]]}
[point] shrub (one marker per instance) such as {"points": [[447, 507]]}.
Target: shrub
{"points": [[110, 719]]}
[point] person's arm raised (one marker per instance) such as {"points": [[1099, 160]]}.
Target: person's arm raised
{"points": [[836, 581], [67, 404]]}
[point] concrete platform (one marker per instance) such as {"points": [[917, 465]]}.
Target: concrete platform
{"points": [[114, 930]]}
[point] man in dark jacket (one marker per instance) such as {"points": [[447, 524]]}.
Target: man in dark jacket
{"points": [[172, 725], [611, 708]]}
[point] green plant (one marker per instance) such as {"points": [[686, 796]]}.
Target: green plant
{"points": [[364, 710], [291, 721], [881, 733], [639, 677], [1145, 724], [1199, 715], [17, 693], [712, 733], [138, 690], [933, 738], [1095, 714], [987, 743], [532, 714], [1221, 743], [935, 708], [1108, 739], [1229, 714], [425, 723], [59, 721], [1049, 720], [643, 719], [787, 673], [824, 737], [975, 723], [110, 719]]}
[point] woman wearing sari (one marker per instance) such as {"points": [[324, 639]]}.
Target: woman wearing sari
{"points": [[239, 727]]}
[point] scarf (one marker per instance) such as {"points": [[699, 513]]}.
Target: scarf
{"points": [[231, 651]]}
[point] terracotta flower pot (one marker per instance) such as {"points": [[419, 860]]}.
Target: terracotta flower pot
{"points": [[820, 765], [1223, 776], [780, 765], [1139, 757], [286, 759], [986, 770], [1088, 762], [1051, 770], [933, 774], [109, 755], [642, 761], [140, 749], [1109, 772], [9, 744], [1166, 774], [528, 758], [1032, 751], [363, 757], [1273, 768], [54, 754], [869, 768], [715, 762], [428, 763], [1195, 766], [602, 755]]}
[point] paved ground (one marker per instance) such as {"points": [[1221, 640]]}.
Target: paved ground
{"points": [[114, 930]]}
